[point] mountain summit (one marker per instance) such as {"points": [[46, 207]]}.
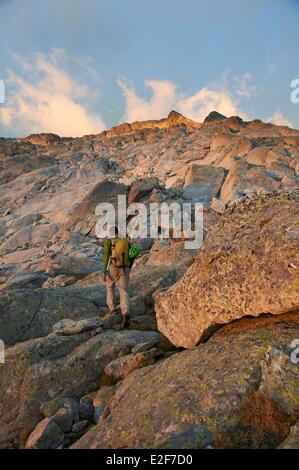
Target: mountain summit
{"points": [[215, 116]]}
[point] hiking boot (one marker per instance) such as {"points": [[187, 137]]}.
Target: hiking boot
{"points": [[109, 314], [126, 321]]}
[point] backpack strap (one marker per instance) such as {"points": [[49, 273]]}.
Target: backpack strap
{"points": [[112, 245]]}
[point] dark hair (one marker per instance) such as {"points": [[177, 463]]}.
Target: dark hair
{"points": [[113, 231]]}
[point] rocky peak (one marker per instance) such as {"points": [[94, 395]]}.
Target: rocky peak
{"points": [[42, 139], [174, 115], [174, 118], [215, 116]]}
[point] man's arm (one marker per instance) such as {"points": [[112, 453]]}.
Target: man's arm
{"points": [[107, 253]]}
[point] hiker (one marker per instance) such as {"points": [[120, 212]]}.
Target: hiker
{"points": [[119, 256]]}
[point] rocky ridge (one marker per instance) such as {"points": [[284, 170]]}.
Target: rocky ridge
{"points": [[70, 376]]}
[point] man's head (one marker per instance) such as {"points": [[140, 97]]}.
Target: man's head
{"points": [[113, 232]]}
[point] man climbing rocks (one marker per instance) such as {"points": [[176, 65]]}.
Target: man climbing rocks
{"points": [[119, 257]]}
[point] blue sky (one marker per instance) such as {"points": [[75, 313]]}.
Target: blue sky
{"points": [[75, 67]]}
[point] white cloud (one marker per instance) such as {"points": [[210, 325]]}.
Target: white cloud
{"points": [[159, 104], [43, 97], [165, 96], [243, 87], [208, 99], [279, 119]]}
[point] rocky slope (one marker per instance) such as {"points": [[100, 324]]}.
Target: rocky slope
{"points": [[69, 375]]}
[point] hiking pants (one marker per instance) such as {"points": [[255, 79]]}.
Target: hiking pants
{"points": [[120, 278]]}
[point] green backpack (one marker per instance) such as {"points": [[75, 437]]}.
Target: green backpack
{"points": [[134, 252], [120, 253]]}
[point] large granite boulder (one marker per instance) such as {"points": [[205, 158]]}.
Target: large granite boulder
{"points": [[249, 265], [245, 178], [209, 396], [203, 182]]}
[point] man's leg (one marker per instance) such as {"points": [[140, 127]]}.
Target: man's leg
{"points": [[123, 286], [110, 286]]}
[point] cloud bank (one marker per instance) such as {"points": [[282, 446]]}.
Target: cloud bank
{"points": [[165, 96], [43, 97], [243, 86]]}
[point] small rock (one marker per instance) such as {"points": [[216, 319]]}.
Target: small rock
{"points": [[102, 400], [111, 322], [59, 281], [64, 419], [142, 347], [217, 205], [124, 366], [86, 408], [51, 407], [65, 443], [70, 405], [73, 406], [99, 330], [78, 427], [71, 327], [74, 436], [144, 323], [47, 435]]}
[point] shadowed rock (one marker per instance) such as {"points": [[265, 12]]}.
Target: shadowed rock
{"points": [[55, 366]]}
